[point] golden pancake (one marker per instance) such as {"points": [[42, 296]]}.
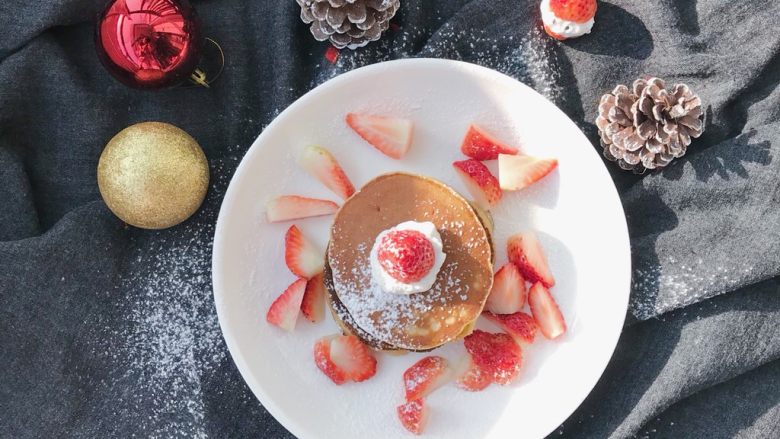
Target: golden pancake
{"points": [[420, 321]]}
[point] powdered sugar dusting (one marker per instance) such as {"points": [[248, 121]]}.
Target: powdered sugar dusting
{"points": [[173, 337]]}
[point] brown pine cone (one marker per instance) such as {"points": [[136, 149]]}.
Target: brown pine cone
{"points": [[647, 127], [348, 23]]}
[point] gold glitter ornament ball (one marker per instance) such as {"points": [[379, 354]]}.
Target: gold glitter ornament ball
{"points": [[153, 175]]}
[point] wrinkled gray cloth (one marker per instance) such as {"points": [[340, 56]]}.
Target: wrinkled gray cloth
{"points": [[109, 331]]}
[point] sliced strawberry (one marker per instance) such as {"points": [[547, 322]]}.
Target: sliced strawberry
{"points": [[284, 310], [472, 377], [325, 363], [516, 172], [290, 207], [519, 325], [425, 376], [344, 357], [525, 251], [391, 136], [413, 415], [313, 305], [480, 145], [546, 312], [578, 11], [301, 256], [320, 163], [495, 354], [482, 185], [508, 293]]}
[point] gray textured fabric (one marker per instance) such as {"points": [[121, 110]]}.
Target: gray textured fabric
{"points": [[109, 331]]}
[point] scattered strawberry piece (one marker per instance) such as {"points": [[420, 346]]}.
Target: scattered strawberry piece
{"points": [[313, 305], [301, 256], [473, 378], [517, 172], [284, 310], [482, 185], [519, 325], [320, 163], [391, 136], [413, 415], [290, 207], [508, 293], [546, 312], [425, 376], [578, 11], [332, 54], [526, 253], [495, 354], [406, 255], [325, 363], [480, 145], [344, 357]]}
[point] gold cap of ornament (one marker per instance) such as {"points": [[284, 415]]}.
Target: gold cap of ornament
{"points": [[153, 175]]}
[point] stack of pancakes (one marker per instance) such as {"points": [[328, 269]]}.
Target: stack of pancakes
{"points": [[420, 321]]}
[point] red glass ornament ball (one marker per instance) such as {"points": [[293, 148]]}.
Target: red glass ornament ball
{"points": [[149, 43]]}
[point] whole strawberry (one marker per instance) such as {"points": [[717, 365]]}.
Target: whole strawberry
{"points": [[406, 255], [565, 19]]}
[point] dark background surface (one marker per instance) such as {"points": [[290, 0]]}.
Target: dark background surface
{"points": [[110, 331]]}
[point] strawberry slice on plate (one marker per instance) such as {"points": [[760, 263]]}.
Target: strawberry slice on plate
{"points": [[413, 415], [284, 310], [525, 251], [546, 312], [517, 172], [495, 354], [313, 305], [300, 255], [519, 325], [344, 357], [321, 164], [481, 184], [472, 377], [290, 207], [480, 145], [392, 136], [425, 376], [508, 293]]}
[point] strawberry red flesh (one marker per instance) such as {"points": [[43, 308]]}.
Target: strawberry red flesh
{"points": [[546, 312], [495, 354], [578, 11], [472, 377], [519, 326], [525, 251], [406, 255], [290, 207], [517, 172], [344, 357], [300, 255], [313, 305], [321, 164], [412, 415], [481, 184], [284, 310], [508, 293], [425, 376], [480, 145], [391, 136]]}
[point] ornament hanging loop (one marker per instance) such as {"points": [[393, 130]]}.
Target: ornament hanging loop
{"points": [[199, 77]]}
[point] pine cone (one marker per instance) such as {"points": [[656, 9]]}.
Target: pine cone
{"points": [[647, 127], [348, 23]]}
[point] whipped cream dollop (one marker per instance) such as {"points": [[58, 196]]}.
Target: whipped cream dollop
{"points": [[391, 285], [564, 28]]}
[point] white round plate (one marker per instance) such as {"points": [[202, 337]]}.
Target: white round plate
{"points": [[575, 211]]}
